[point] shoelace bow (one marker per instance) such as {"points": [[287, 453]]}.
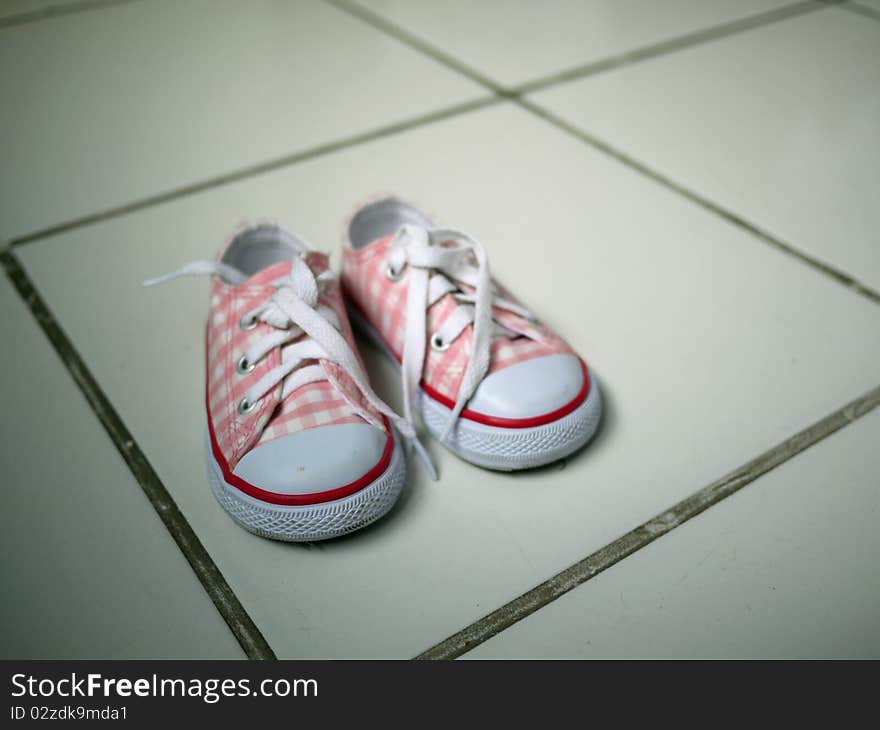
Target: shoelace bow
{"points": [[441, 260], [294, 310]]}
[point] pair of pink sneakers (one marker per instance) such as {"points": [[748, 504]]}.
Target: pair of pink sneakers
{"points": [[298, 445]]}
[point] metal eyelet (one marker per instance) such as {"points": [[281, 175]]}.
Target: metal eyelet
{"points": [[439, 345], [245, 407], [243, 367], [395, 275], [247, 322]]}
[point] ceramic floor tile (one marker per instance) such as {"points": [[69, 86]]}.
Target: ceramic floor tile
{"points": [[778, 125], [88, 569], [108, 106], [12, 8], [763, 574], [710, 348], [520, 41], [874, 4]]}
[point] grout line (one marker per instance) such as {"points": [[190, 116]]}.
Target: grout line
{"points": [[643, 535], [389, 28], [254, 170], [859, 9], [669, 46], [54, 11], [840, 276], [245, 630]]}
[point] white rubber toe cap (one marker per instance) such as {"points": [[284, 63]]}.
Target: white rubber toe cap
{"points": [[529, 389], [315, 460]]}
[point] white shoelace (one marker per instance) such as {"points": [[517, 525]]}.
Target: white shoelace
{"points": [[294, 310], [437, 270]]}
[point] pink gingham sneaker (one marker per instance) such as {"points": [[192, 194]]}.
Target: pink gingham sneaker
{"points": [[298, 446], [497, 387]]}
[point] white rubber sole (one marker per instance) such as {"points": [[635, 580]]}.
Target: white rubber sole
{"points": [[308, 523], [504, 449]]}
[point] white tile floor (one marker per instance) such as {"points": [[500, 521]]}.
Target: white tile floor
{"points": [[765, 575], [160, 94], [792, 145], [516, 42], [711, 345], [13, 11], [88, 569]]}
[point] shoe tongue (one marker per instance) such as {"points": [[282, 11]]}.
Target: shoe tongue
{"points": [[315, 260], [266, 276], [382, 240]]}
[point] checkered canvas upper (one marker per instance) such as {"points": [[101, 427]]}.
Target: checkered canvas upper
{"points": [[312, 405], [383, 302]]}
